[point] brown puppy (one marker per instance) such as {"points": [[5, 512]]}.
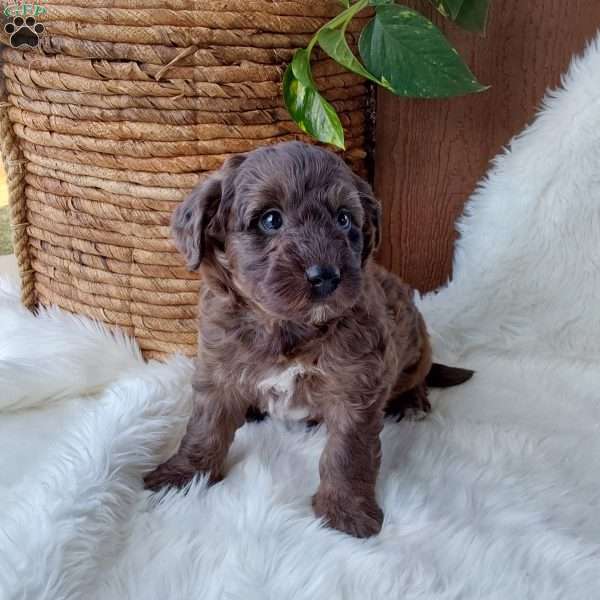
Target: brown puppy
{"points": [[296, 320]]}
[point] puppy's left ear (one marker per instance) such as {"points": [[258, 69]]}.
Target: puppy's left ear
{"points": [[372, 223]]}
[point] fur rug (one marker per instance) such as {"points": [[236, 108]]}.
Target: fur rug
{"points": [[495, 496]]}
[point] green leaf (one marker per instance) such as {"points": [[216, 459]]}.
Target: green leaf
{"points": [[301, 68], [333, 42], [345, 3], [404, 48], [381, 2], [311, 112], [449, 8], [473, 15]]}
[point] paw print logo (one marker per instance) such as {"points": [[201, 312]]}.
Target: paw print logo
{"points": [[24, 32]]}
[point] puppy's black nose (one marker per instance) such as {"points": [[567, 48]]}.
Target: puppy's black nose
{"points": [[323, 279]]}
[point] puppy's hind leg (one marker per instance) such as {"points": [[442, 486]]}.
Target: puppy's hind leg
{"points": [[255, 415], [409, 396], [412, 404]]}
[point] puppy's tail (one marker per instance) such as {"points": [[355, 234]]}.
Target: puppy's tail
{"points": [[442, 376]]}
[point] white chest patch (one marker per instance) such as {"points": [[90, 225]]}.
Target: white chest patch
{"points": [[278, 390]]}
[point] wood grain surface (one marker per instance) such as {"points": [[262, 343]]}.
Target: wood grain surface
{"points": [[430, 153]]}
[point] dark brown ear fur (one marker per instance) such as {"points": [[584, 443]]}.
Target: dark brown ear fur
{"points": [[191, 217], [372, 225], [202, 208]]}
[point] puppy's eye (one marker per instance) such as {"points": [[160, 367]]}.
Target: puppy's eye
{"points": [[271, 221], [344, 219]]}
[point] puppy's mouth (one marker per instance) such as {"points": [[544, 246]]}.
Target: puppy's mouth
{"points": [[321, 313], [314, 294]]}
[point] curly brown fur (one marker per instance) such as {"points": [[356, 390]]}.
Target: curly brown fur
{"points": [[273, 341]]}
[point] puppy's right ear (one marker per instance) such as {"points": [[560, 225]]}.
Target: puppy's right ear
{"points": [[372, 223], [189, 221], [209, 202]]}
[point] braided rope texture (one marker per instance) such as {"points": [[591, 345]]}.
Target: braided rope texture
{"points": [[120, 111], [14, 167]]}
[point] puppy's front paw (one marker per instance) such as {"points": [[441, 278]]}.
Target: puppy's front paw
{"points": [[358, 516], [175, 473]]}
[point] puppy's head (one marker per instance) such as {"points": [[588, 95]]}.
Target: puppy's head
{"points": [[291, 226]]}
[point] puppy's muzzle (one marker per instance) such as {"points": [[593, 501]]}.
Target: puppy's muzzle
{"points": [[323, 279]]}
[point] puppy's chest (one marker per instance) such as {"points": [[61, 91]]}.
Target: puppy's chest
{"points": [[284, 391]]}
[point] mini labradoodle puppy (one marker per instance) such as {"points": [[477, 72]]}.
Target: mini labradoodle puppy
{"points": [[297, 320]]}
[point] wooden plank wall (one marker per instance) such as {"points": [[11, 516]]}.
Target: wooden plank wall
{"points": [[430, 153]]}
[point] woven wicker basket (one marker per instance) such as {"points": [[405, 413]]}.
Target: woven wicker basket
{"points": [[125, 105]]}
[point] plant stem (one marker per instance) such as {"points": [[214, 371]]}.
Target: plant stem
{"points": [[343, 18]]}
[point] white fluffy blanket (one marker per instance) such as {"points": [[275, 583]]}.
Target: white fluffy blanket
{"points": [[495, 496]]}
